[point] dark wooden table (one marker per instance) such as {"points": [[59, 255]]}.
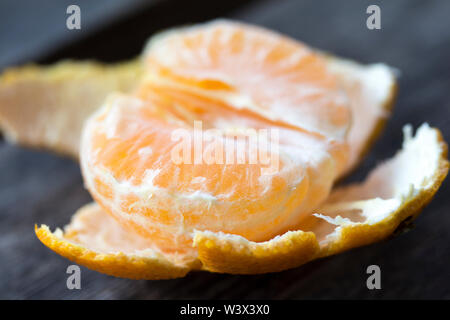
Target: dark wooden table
{"points": [[415, 38]]}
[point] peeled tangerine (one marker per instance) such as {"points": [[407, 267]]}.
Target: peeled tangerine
{"points": [[169, 162]]}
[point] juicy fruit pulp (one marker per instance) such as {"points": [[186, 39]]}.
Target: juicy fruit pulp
{"points": [[228, 76]]}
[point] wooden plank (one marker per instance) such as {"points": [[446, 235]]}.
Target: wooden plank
{"points": [[415, 38], [32, 29]]}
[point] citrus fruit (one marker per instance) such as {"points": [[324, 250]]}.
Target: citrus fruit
{"points": [[127, 145], [159, 216]]}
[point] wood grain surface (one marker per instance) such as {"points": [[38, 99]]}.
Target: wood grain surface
{"points": [[36, 187]]}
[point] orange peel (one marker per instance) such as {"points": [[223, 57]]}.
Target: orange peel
{"points": [[128, 257], [227, 253], [393, 194], [45, 107]]}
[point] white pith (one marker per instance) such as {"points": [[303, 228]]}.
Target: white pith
{"points": [[388, 186], [371, 89]]}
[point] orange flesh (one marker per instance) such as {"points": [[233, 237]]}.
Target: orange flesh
{"points": [[228, 76], [265, 72]]}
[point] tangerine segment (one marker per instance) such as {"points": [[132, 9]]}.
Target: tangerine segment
{"points": [[129, 167], [46, 107], [254, 69], [97, 241]]}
